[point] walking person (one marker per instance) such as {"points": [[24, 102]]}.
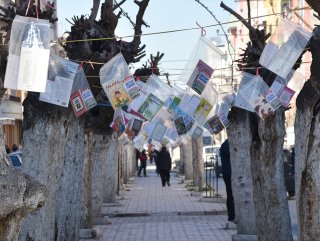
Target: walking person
{"points": [[164, 165], [226, 173], [143, 163]]}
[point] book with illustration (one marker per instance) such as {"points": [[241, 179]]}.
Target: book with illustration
{"points": [[116, 93], [203, 110]]}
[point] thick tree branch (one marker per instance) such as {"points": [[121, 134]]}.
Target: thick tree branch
{"points": [[238, 16], [249, 12], [94, 10]]}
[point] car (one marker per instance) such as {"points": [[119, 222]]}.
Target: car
{"points": [[16, 160]]}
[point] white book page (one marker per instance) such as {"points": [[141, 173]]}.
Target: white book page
{"points": [[33, 69]]}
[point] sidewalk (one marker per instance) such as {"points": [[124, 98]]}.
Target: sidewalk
{"points": [[150, 212]]}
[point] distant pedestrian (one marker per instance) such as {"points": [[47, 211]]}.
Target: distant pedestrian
{"points": [[7, 149], [164, 165], [226, 173], [143, 163], [15, 148]]}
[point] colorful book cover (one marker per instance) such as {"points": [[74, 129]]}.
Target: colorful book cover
{"points": [[214, 125], [262, 107], [202, 110], [175, 102], [200, 77], [272, 99], [118, 124], [131, 86], [77, 103], [116, 93], [286, 96], [180, 126], [136, 125], [150, 107], [88, 98], [188, 121]]}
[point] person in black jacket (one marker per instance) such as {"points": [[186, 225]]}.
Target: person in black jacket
{"points": [[226, 173], [164, 165]]}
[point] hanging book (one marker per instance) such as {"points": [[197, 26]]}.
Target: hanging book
{"points": [[180, 126], [131, 87], [214, 125], [203, 110], [81, 98], [29, 52], [60, 80], [262, 107], [150, 107], [200, 77]]}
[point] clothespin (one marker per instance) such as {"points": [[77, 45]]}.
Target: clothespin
{"points": [[91, 64], [257, 70], [203, 31], [36, 6]]}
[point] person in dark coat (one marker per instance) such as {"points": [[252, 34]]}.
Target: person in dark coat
{"points": [[226, 173], [143, 163], [164, 165]]}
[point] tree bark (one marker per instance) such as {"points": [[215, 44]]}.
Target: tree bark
{"points": [[111, 181], [197, 162], [20, 195], [269, 195], [186, 157], [54, 151], [240, 139], [307, 133]]}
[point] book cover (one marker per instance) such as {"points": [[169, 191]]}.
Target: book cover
{"points": [[180, 126], [131, 87], [203, 110], [77, 104], [116, 93], [200, 77], [150, 107], [214, 125], [262, 107]]}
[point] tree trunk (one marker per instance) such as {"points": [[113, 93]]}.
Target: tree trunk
{"points": [[240, 139], [112, 176], [197, 162], [100, 153], [19, 196], [54, 150], [186, 158], [269, 195], [88, 176], [307, 133]]}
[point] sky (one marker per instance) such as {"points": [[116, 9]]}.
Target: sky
{"points": [[161, 15]]}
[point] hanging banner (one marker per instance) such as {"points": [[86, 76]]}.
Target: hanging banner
{"points": [[29, 52], [60, 80]]}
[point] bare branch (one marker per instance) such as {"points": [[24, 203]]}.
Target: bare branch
{"points": [[249, 12], [238, 16], [94, 10], [118, 4], [139, 21]]}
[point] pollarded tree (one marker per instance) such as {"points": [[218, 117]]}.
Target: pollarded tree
{"points": [[257, 147], [307, 145], [60, 149]]}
